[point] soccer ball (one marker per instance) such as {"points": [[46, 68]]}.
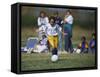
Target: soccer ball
{"points": [[54, 58], [78, 51]]}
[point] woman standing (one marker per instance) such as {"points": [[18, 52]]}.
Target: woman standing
{"points": [[42, 22], [68, 23]]}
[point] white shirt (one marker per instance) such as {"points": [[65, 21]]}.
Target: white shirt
{"points": [[69, 19], [42, 21], [42, 29], [52, 31]]}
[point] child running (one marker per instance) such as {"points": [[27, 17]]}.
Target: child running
{"points": [[52, 35]]}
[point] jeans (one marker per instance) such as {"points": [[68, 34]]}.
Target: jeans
{"points": [[92, 50], [84, 50], [60, 41], [68, 44]]}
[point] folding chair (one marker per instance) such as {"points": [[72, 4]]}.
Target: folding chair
{"points": [[31, 43]]}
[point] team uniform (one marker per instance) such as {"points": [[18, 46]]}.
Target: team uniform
{"points": [[52, 35], [92, 45], [83, 47]]}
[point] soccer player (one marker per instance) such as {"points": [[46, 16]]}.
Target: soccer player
{"points": [[92, 43], [68, 23], [52, 35], [83, 46]]}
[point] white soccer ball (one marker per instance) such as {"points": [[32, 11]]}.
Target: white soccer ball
{"points": [[78, 51], [54, 58]]}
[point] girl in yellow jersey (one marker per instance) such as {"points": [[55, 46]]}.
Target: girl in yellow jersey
{"points": [[52, 35]]}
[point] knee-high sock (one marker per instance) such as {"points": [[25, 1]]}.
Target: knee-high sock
{"points": [[54, 51]]}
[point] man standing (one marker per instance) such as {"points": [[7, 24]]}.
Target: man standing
{"points": [[58, 21], [68, 23]]}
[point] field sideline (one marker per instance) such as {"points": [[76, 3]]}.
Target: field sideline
{"points": [[41, 61]]}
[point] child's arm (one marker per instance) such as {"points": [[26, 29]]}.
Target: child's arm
{"points": [[37, 30]]}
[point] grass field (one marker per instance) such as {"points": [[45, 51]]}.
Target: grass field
{"points": [[41, 61]]}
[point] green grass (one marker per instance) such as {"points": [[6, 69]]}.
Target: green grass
{"points": [[42, 61]]}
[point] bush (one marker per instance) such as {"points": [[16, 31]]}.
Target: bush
{"points": [[28, 20]]}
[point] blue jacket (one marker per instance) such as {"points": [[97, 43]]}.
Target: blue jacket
{"points": [[92, 42], [58, 20]]}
